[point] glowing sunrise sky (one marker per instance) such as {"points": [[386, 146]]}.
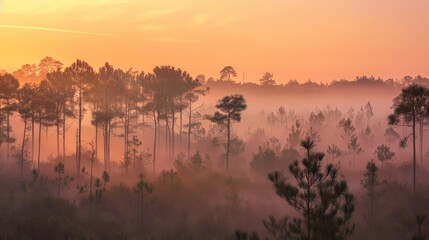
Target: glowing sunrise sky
{"points": [[319, 40]]}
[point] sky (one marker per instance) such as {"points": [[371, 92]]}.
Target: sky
{"points": [[294, 39]]}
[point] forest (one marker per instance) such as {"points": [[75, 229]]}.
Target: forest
{"points": [[108, 153]]}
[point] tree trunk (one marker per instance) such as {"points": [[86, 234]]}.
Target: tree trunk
{"points": [[64, 134], [7, 133], [23, 148], [58, 136], [94, 109], [172, 134], [414, 153], [181, 126], [38, 152], [32, 139], [228, 141], [155, 122], [189, 129], [79, 148]]}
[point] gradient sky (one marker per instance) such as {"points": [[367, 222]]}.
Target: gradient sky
{"points": [[316, 39]]}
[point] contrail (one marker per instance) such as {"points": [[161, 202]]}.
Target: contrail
{"points": [[55, 30]]}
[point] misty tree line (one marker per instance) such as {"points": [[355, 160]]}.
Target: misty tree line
{"points": [[129, 99], [114, 98]]}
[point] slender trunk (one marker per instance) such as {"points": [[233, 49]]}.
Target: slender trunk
{"points": [[7, 134], [108, 146], [172, 134], [189, 129], [105, 144], [59, 184], [58, 136], [94, 109], [181, 127], [90, 185], [38, 152], [167, 127], [32, 139], [126, 130], [23, 148], [228, 141], [64, 134], [142, 209], [79, 149], [421, 141], [155, 122], [308, 201], [414, 153]]}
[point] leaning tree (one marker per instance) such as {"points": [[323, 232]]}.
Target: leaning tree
{"points": [[230, 111]]}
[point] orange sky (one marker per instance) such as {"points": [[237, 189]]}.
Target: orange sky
{"points": [[315, 39]]}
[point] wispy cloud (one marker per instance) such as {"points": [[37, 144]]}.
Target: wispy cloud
{"points": [[55, 30], [170, 40]]}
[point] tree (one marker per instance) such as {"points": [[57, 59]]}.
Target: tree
{"points": [[349, 136], [61, 180], [368, 112], [44, 107], [384, 154], [8, 94], [391, 135], [281, 115], [231, 108], [108, 96], [79, 73], [142, 188], [334, 152], [318, 196], [407, 107], [48, 65], [194, 91], [420, 218], [373, 192], [64, 104], [267, 79], [26, 98], [295, 134], [355, 148], [226, 73]]}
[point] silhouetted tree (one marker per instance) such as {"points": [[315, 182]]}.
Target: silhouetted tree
{"points": [[64, 105], [384, 154], [408, 107], [44, 108], [281, 115], [194, 91], [267, 79], [334, 152], [373, 192], [142, 188], [80, 74], [61, 180], [318, 196], [420, 218], [391, 135], [227, 72], [8, 94], [26, 99], [295, 134], [231, 108]]}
